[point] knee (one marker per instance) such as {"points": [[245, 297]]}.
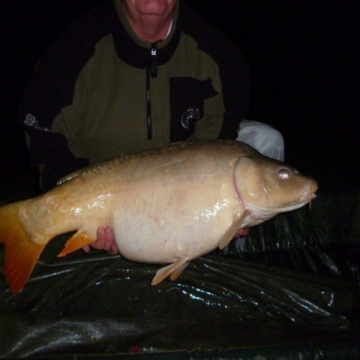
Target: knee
{"points": [[264, 138]]}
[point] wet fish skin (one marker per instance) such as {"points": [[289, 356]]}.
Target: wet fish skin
{"points": [[185, 200]]}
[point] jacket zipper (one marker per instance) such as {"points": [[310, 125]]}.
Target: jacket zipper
{"points": [[151, 72]]}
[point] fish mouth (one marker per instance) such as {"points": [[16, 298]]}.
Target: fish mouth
{"points": [[309, 193], [259, 213], [307, 198], [304, 198]]}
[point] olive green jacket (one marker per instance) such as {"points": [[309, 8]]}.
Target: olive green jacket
{"points": [[100, 91]]}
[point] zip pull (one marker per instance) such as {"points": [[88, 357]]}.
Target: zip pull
{"points": [[153, 60], [151, 72]]}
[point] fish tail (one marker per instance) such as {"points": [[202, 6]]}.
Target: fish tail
{"points": [[20, 253]]}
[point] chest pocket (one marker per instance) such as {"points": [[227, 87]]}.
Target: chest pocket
{"points": [[187, 97]]}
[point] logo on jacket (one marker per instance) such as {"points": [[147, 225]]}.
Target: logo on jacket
{"points": [[32, 121], [190, 115]]}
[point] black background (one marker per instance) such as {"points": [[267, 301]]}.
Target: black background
{"points": [[303, 57]]}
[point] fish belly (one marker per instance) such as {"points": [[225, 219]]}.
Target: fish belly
{"points": [[179, 218]]}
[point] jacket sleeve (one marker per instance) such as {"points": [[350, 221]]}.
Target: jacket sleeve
{"points": [[235, 77], [223, 112], [49, 151], [47, 111], [52, 107], [49, 91], [233, 71]]}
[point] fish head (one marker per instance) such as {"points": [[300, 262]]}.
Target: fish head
{"points": [[267, 187]]}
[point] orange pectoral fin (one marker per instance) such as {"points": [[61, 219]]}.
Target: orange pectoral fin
{"points": [[229, 234], [174, 270], [20, 254], [76, 242], [176, 273]]}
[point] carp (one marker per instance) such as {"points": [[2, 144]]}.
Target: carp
{"points": [[165, 206]]}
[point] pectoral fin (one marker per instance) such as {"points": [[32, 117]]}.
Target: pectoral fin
{"points": [[76, 242], [229, 234], [174, 270], [176, 273]]}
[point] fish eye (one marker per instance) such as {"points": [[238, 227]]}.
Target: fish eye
{"points": [[284, 174]]}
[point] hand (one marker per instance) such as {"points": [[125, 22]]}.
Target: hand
{"points": [[242, 232], [105, 241]]}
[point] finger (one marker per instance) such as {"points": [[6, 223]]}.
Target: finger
{"points": [[113, 250], [86, 249], [109, 239], [242, 232], [110, 235], [99, 243]]}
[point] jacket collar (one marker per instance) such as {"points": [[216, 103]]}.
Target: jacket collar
{"points": [[133, 50]]}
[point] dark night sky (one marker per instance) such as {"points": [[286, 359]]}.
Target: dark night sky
{"points": [[303, 56]]}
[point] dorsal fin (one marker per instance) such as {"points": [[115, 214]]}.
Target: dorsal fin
{"points": [[91, 171], [102, 167]]}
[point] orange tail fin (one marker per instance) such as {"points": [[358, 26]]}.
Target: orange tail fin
{"points": [[20, 253]]}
